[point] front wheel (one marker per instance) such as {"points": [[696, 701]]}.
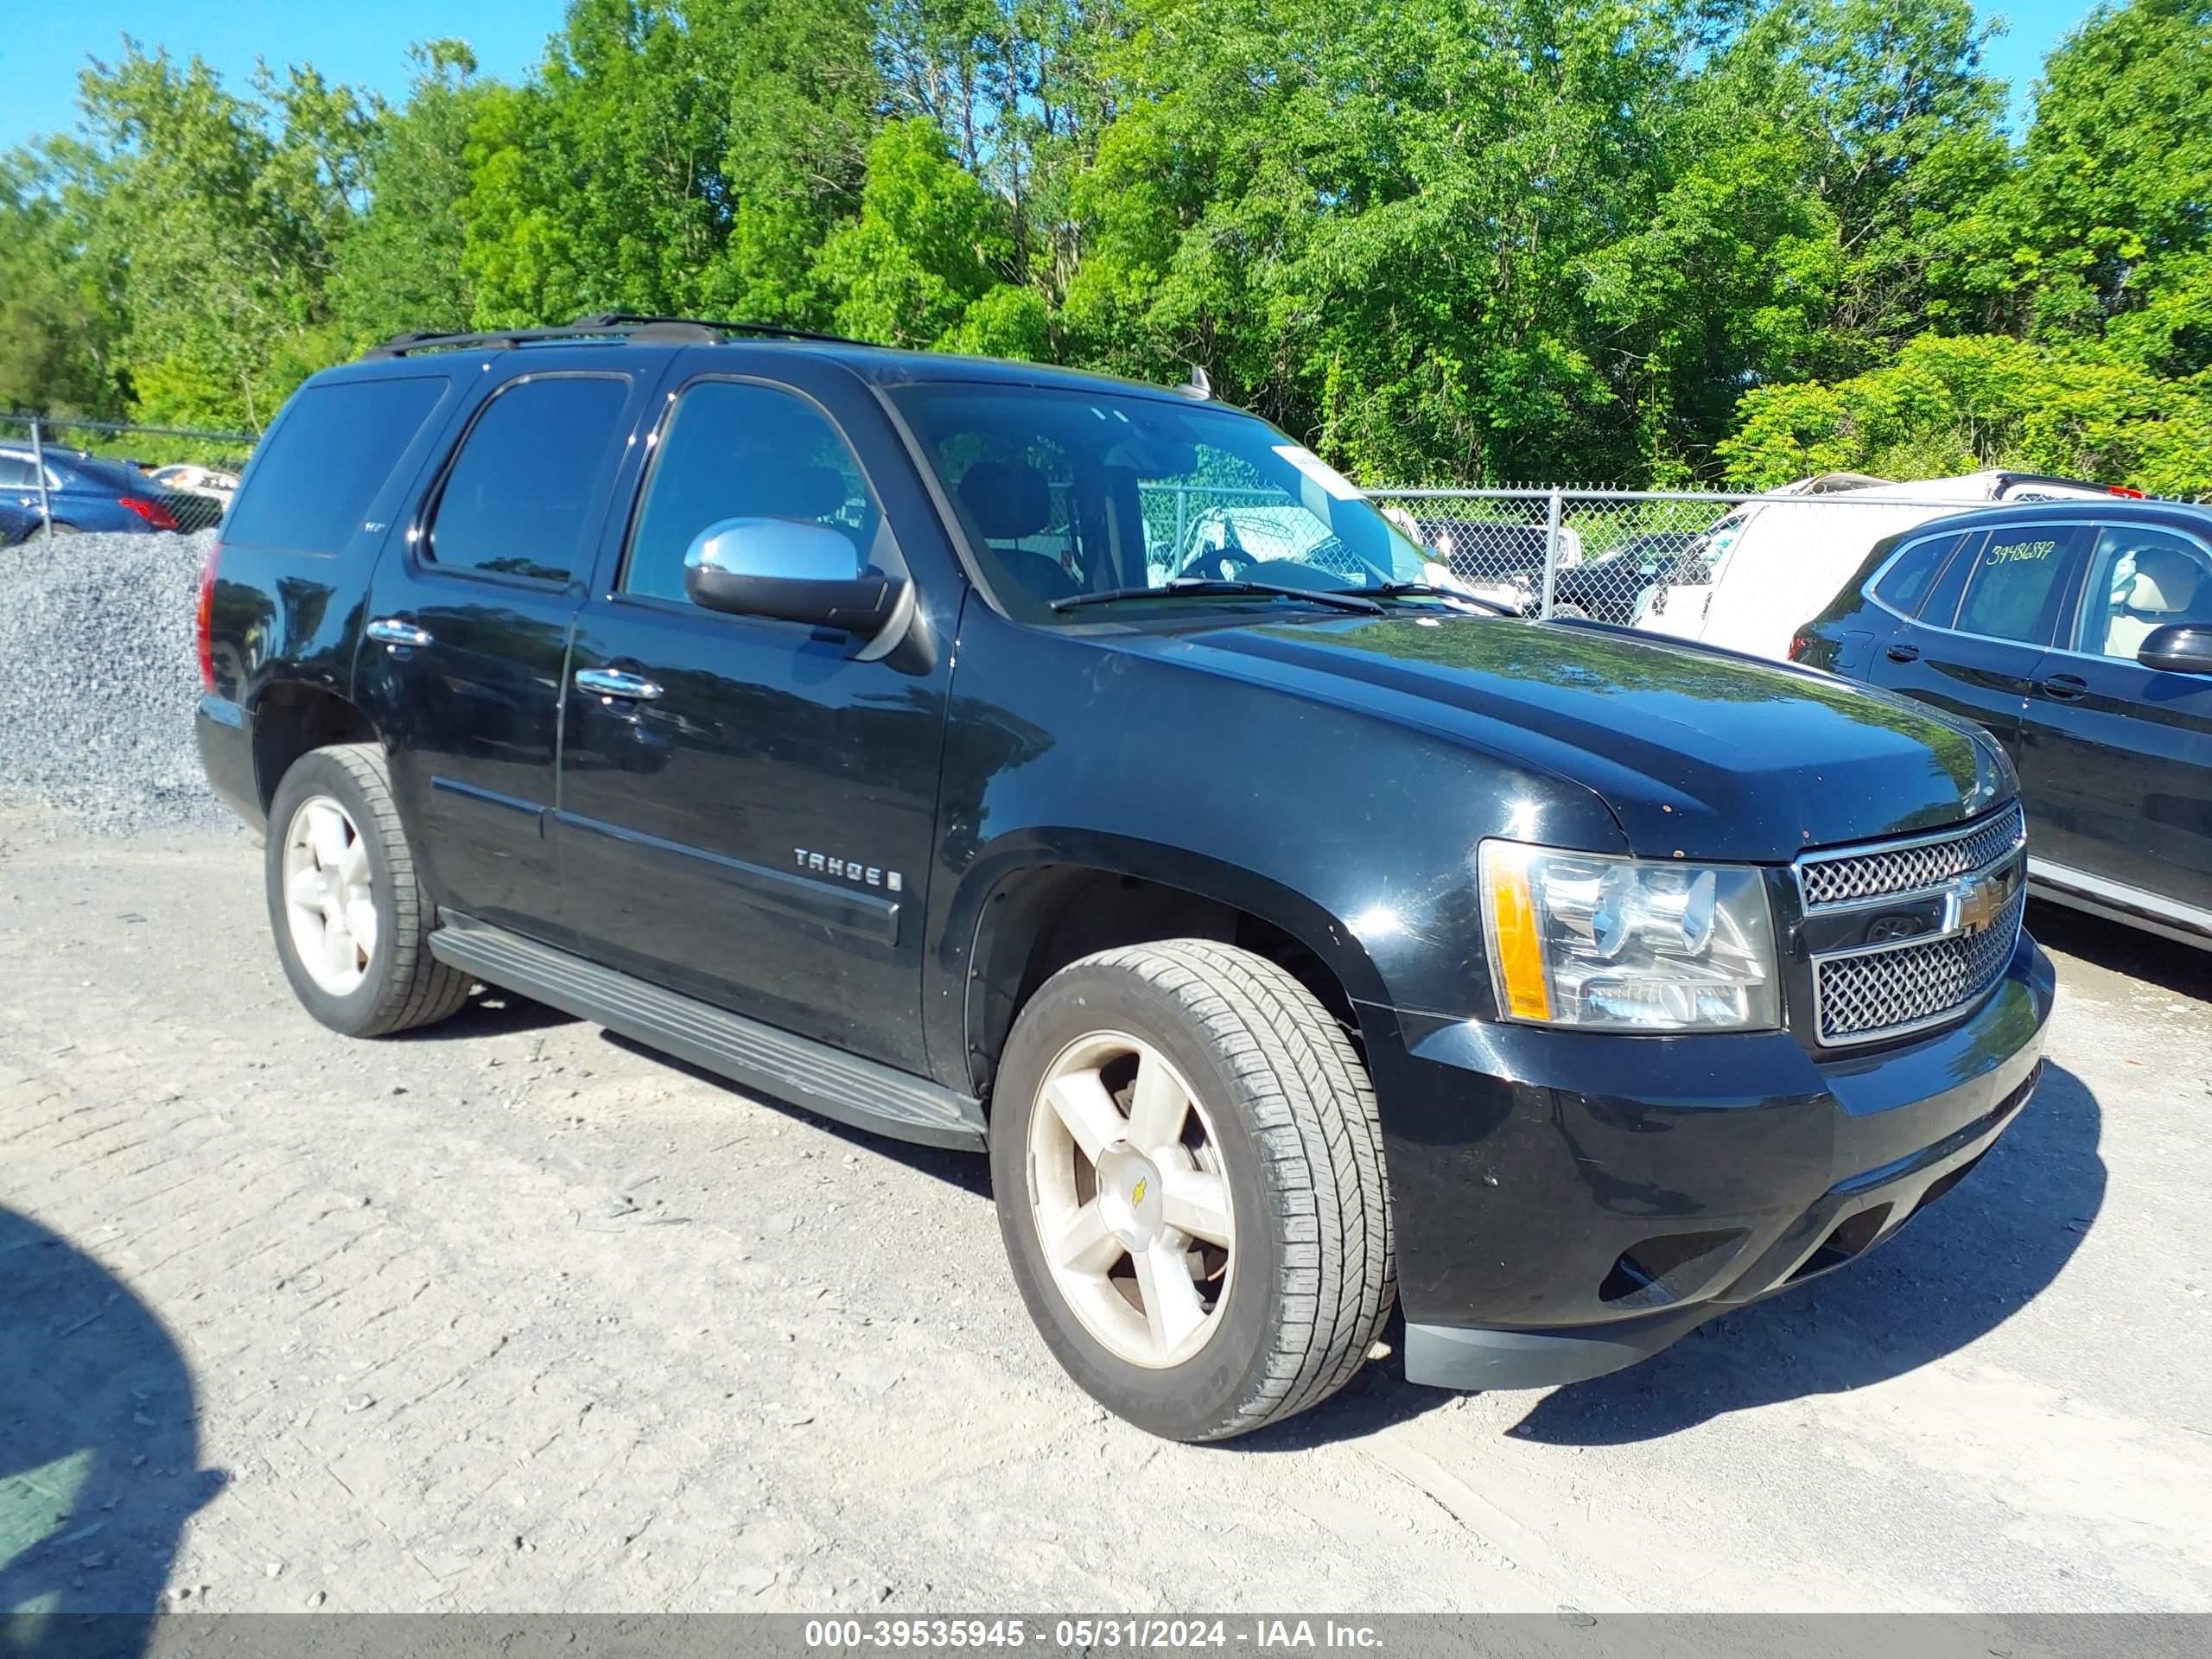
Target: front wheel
{"points": [[1189, 1176]]}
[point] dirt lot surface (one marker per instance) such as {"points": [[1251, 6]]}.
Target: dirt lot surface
{"points": [[513, 1316]]}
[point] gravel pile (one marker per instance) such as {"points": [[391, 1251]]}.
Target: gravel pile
{"points": [[102, 677]]}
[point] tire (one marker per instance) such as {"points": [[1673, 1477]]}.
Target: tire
{"points": [[1284, 1163], [394, 983]]}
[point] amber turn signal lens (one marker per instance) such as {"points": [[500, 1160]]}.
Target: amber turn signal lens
{"points": [[1514, 935]]}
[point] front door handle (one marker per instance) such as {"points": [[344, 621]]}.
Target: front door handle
{"points": [[615, 682], [1903, 653], [2064, 687], [396, 630]]}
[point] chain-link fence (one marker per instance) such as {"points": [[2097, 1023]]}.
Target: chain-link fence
{"points": [[65, 477], [1649, 558]]}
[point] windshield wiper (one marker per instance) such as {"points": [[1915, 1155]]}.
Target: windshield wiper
{"points": [[1175, 586], [1430, 590]]}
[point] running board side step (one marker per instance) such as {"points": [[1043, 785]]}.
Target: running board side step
{"points": [[861, 1093]]}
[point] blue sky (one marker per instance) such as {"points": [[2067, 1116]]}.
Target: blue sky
{"points": [[44, 42]]}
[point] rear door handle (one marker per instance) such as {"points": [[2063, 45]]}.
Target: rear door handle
{"points": [[1903, 653], [2064, 687], [396, 630], [616, 683]]}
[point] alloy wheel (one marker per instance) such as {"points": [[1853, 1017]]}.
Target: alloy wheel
{"points": [[1130, 1199], [327, 903]]}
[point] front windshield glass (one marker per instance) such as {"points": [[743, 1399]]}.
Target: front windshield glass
{"points": [[1066, 493]]}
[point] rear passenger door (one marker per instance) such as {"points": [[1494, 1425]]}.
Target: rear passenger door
{"points": [[1981, 631], [753, 825], [2116, 757], [467, 635]]}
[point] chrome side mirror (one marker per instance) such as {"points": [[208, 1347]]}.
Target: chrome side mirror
{"points": [[789, 570]]}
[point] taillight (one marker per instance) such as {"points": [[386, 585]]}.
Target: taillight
{"points": [[204, 621], [152, 511], [2122, 489], [1800, 643]]}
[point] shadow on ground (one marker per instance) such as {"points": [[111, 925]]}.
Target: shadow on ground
{"points": [[99, 1447], [489, 1012], [1954, 1274], [2183, 969], [968, 1171]]}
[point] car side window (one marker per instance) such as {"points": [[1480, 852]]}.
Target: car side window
{"points": [[733, 449], [16, 473], [2140, 579], [2014, 586], [1913, 572], [524, 496]]}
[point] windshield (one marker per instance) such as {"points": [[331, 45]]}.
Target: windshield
{"points": [[1066, 493]]}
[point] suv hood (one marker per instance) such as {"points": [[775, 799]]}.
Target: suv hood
{"points": [[1699, 753]]}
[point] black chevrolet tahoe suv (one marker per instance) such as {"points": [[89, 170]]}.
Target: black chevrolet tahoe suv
{"points": [[884, 732]]}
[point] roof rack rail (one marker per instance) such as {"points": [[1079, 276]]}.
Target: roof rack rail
{"points": [[597, 325], [772, 330]]}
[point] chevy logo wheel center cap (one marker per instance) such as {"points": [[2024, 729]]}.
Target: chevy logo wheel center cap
{"points": [[1129, 1196]]}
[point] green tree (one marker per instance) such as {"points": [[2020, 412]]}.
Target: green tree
{"points": [[401, 266], [1957, 403]]}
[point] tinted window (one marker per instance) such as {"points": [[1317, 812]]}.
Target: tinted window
{"points": [[734, 451], [332, 449], [526, 492], [16, 473], [2140, 580], [2013, 588], [1907, 581]]}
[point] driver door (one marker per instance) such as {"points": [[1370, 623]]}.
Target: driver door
{"points": [[747, 807]]}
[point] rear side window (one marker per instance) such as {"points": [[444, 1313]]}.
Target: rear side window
{"points": [[315, 476], [2012, 592], [737, 450], [526, 492], [16, 473], [1906, 582]]}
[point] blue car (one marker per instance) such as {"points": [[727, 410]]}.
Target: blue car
{"points": [[16, 525], [85, 492]]}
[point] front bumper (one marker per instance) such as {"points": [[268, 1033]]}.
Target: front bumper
{"points": [[1568, 1203]]}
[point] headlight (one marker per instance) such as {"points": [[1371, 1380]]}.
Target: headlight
{"points": [[1616, 944]]}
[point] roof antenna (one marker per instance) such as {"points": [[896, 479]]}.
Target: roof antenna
{"points": [[1200, 386]]}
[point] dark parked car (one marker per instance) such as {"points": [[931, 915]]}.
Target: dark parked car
{"points": [[15, 524], [85, 492], [2079, 633], [1296, 937]]}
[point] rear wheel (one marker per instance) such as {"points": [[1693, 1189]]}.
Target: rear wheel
{"points": [[1189, 1177], [352, 925]]}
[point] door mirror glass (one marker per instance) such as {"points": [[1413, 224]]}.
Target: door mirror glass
{"points": [[789, 570], [2179, 647]]}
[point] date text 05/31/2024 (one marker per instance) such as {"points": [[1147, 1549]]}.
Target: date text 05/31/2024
{"points": [[1167, 1634]]}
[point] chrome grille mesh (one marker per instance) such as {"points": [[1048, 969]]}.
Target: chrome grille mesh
{"points": [[1828, 880], [1865, 995]]}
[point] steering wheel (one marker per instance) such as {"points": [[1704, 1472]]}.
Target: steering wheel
{"points": [[1226, 563]]}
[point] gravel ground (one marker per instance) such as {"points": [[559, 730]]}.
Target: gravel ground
{"points": [[103, 727], [510, 1316]]}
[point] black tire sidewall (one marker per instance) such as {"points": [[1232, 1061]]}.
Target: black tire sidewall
{"points": [[359, 1010], [1205, 1396]]}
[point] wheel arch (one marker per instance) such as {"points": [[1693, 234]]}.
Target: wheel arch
{"points": [[291, 717], [1022, 914]]}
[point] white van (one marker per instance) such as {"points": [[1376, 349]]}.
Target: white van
{"points": [[1785, 555]]}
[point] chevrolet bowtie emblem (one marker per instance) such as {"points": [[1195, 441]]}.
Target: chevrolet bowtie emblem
{"points": [[1976, 902]]}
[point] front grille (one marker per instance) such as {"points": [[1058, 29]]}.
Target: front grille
{"points": [[1882, 992], [1831, 879]]}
